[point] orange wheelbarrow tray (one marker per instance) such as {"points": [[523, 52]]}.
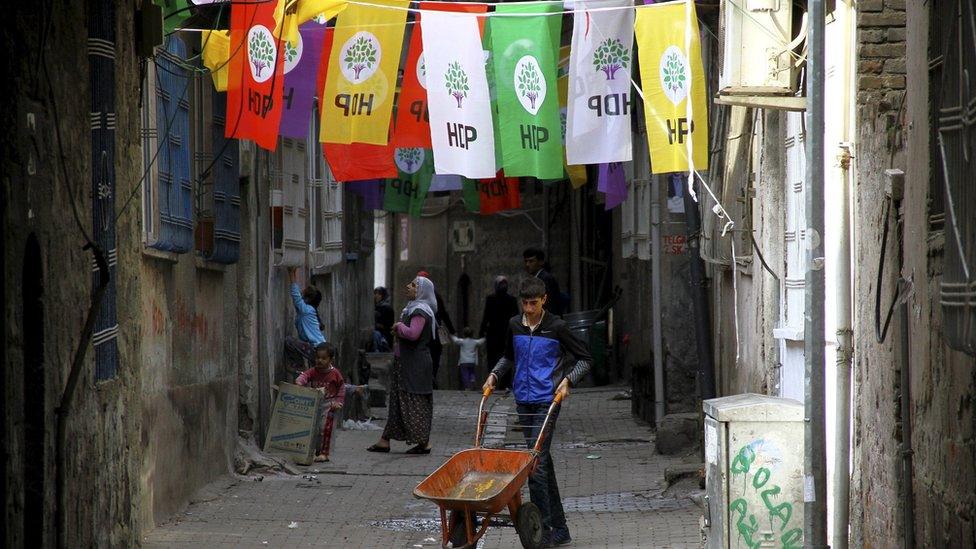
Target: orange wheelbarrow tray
{"points": [[480, 483]]}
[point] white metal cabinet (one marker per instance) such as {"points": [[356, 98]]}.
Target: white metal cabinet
{"points": [[753, 472]]}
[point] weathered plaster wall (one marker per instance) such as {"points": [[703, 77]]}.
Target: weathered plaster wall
{"points": [[102, 448]]}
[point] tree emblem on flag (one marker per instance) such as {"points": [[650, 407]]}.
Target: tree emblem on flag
{"points": [[457, 82], [530, 84], [611, 56], [293, 54], [674, 74], [360, 56], [261, 53], [422, 71], [409, 160]]}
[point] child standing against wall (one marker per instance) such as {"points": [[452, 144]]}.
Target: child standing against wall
{"points": [[327, 379], [468, 360]]}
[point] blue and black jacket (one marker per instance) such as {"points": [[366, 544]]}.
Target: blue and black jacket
{"points": [[542, 358]]}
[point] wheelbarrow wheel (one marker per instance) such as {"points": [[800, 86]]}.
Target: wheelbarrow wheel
{"points": [[528, 524]]}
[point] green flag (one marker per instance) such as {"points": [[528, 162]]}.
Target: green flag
{"points": [[471, 195], [406, 193], [174, 13], [523, 64]]}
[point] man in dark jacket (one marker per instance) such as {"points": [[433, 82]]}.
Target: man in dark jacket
{"points": [[443, 319], [547, 360], [382, 320], [500, 307], [535, 262]]}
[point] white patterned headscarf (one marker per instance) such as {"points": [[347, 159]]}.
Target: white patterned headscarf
{"points": [[426, 302]]}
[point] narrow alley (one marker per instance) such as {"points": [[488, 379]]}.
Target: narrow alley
{"points": [[611, 478]]}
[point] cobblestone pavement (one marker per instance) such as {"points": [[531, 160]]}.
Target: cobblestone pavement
{"points": [[610, 477]]}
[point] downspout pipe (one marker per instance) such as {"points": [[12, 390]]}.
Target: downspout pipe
{"points": [[699, 298], [843, 297], [657, 341]]}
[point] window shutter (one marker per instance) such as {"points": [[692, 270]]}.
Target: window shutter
{"points": [[291, 187], [173, 125], [227, 188], [331, 218]]}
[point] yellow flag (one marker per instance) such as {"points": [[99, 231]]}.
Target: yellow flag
{"points": [[357, 101], [674, 86], [289, 14], [216, 54], [577, 173]]}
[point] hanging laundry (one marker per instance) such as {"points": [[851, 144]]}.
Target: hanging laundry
{"points": [[600, 98], [360, 86], [256, 78], [523, 59], [673, 83], [462, 134]]}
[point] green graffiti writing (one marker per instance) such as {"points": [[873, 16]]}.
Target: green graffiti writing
{"points": [[747, 523]]}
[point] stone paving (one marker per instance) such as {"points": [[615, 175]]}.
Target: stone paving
{"points": [[610, 477]]}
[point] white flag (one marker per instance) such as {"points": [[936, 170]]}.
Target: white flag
{"points": [[445, 183], [461, 130], [600, 97]]}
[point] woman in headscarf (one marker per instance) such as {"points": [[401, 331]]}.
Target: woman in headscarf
{"points": [[411, 403]]}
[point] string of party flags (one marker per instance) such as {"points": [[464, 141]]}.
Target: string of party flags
{"points": [[486, 94]]}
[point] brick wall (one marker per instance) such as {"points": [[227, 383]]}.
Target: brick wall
{"points": [[880, 81]]}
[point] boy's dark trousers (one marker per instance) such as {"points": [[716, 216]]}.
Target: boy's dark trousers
{"points": [[543, 490]]}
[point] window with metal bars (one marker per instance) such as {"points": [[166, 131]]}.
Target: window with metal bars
{"points": [[954, 172]]}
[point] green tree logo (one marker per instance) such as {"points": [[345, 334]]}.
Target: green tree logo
{"points": [[360, 56], [409, 160], [457, 82], [293, 54], [611, 56], [674, 74], [422, 71], [261, 52], [530, 84]]}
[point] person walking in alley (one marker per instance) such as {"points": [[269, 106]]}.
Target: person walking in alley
{"points": [[383, 320], [468, 359], [327, 379], [443, 319], [500, 307], [547, 359], [535, 265], [299, 352], [411, 399]]}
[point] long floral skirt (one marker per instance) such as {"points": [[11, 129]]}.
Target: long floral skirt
{"points": [[409, 414]]}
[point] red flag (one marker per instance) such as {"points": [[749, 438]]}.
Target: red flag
{"points": [[324, 62], [412, 122], [256, 77], [358, 161], [499, 194]]}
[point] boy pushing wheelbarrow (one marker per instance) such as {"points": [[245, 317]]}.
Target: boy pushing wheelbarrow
{"points": [[548, 359]]}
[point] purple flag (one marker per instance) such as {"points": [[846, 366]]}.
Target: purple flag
{"points": [[301, 71], [445, 183], [612, 182], [371, 190]]}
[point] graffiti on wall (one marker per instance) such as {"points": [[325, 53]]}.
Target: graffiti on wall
{"points": [[769, 524]]}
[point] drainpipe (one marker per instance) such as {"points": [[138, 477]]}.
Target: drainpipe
{"points": [[656, 339], [815, 459], [843, 296], [699, 297]]}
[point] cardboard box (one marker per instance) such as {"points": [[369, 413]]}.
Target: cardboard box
{"points": [[296, 423]]}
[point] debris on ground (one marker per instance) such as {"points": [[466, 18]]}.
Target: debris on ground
{"points": [[293, 525], [365, 425], [249, 459], [623, 395], [593, 456]]}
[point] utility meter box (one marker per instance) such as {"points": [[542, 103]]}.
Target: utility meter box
{"points": [[757, 48], [753, 472]]}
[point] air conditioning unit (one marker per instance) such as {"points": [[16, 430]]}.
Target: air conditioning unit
{"points": [[758, 40], [753, 472]]}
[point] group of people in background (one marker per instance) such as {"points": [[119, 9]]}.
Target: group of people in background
{"points": [[546, 366]]}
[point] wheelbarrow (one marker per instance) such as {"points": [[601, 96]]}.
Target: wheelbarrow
{"points": [[477, 485]]}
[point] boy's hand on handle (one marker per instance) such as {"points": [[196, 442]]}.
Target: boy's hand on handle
{"points": [[489, 385], [562, 391], [336, 405]]}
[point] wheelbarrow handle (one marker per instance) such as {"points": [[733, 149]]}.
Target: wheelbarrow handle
{"points": [[482, 418], [556, 403]]}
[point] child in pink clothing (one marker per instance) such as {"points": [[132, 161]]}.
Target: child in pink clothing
{"points": [[327, 379]]}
